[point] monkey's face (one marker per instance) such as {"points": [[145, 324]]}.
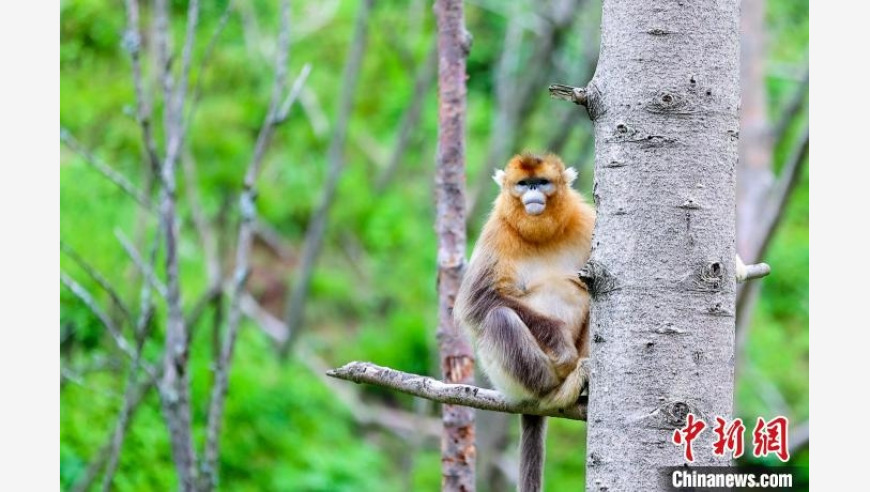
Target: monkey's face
{"points": [[533, 192], [533, 182]]}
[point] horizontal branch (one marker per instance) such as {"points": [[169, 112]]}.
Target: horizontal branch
{"points": [[751, 271], [576, 95], [451, 394], [757, 270], [397, 421]]}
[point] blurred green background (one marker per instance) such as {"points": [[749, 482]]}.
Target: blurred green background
{"points": [[373, 294]]}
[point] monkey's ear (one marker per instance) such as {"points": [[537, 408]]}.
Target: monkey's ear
{"points": [[570, 174], [498, 177]]}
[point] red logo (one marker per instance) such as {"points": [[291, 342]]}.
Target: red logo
{"points": [[688, 434], [771, 437], [730, 439]]}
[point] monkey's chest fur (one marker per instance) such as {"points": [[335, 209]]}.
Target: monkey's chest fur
{"points": [[550, 286]]}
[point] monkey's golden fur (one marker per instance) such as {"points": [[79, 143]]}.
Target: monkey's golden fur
{"points": [[521, 299]]}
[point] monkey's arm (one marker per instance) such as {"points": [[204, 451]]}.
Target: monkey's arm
{"points": [[513, 356], [547, 332]]}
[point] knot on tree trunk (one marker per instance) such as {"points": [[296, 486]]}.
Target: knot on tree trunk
{"points": [[597, 278]]}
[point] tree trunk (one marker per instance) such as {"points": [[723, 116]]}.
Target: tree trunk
{"points": [[756, 152], [664, 101], [457, 359]]}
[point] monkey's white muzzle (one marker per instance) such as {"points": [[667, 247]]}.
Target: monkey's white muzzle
{"points": [[534, 201]]}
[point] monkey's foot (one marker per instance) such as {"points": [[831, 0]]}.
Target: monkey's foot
{"points": [[568, 393]]}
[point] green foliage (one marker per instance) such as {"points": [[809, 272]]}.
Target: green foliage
{"points": [[373, 294], [285, 434]]}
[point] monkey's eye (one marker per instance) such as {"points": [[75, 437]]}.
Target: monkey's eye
{"points": [[523, 183], [544, 182]]}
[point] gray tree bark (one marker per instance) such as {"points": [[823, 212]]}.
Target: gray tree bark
{"points": [[664, 101], [457, 357]]}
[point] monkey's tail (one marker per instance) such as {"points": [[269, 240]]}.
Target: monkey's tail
{"points": [[533, 432]]}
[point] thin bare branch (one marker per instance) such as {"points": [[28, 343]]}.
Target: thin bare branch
{"points": [[133, 395], [558, 18], [133, 44], [273, 239], [98, 462], [767, 224], [571, 116], [88, 300], [576, 95], [317, 224], [298, 84], [175, 386], [145, 268], [146, 297], [779, 197], [503, 127], [203, 64], [174, 100], [791, 111], [314, 112], [114, 176], [186, 62], [162, 40], [423, 81], [753, 271], [217, 323], [273, 114], [200, 220], [199, 307], [272, 326], [99, 279], [243, 248], [451, 394], [402, 424]]}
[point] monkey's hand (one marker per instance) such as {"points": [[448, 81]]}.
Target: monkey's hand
{"points": [[584, 365], [565, 361]]}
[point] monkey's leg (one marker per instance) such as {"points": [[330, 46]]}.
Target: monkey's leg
{"points": [[549, 334], [509, 345]]}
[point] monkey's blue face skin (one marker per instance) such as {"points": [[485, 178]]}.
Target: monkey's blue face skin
{"points": [[533, 192]]}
